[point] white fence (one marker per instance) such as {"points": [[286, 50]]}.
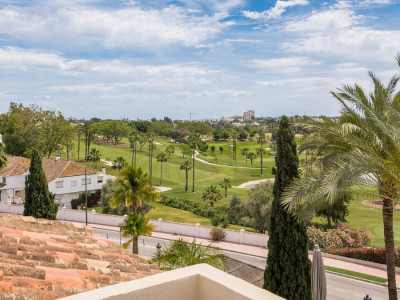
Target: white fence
{"points": [[239, 237]]}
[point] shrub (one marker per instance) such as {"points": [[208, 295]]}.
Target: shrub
{"points": [[93, 200], [220, 219], [342, 237], [217, 234], [376, 255]]}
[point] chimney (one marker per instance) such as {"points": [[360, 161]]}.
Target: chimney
{"points": [[57, 157], [103, 170]]}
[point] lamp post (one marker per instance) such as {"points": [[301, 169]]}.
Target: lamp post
{"points": [[86, 192]]}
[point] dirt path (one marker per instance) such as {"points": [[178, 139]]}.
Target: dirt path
{"points": [[377, 204], [216, 165], [250, 184]]}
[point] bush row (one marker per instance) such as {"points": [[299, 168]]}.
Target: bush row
{"points": [[93, 200], [376, 255], [341, 237]]}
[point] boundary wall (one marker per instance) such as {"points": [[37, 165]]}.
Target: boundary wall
{"points": [[197, 230]]}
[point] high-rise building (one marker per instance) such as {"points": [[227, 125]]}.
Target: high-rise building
{"points": [[248, 115]]}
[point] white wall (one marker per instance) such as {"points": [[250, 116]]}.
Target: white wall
{"points": [[13, 184], [240, 237]]}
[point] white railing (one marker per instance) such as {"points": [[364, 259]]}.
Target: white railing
{"points": [[199, 231]]}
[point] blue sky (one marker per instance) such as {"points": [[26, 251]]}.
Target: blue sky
{"points": [[156, 58]]}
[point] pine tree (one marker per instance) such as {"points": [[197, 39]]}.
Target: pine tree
{"points": [[39, 202], [288, 271]]}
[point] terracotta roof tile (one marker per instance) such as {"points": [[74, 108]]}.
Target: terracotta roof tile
{"points": [[53, 169], [42, 259], [16, 166]]}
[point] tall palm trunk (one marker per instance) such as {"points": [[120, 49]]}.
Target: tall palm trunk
{"points": [[388, 193], [387, 211], [161, 175], [193, 168], [79, 144], [135, 156], [262, 149], [135, 245], [187, 180]]}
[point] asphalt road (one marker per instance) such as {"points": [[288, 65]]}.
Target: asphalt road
{"points": [[339, 287]]}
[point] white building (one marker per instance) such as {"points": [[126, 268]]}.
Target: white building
{"points": [[66, 179]]}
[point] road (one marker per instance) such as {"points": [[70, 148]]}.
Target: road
{"points": [[339, 287]]}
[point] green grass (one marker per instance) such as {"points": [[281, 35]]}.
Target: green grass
{"points": [[205, 175], [171, 214], [356, 274]]}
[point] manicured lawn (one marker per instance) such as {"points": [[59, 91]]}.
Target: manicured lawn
{"points": [[371, 218], [205, 175], [356, 274]]}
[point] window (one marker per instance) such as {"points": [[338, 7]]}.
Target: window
{"points": [[59, 184], [4, 180], [100, 179], [74, 183], [89, 181]]}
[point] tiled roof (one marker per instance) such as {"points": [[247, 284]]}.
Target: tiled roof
{"points": [[64, 168], [41, 259], [53, 169], [245, 271], [16, 166]]}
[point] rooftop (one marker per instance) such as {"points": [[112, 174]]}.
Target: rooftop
{"points": [[18, 166], [50, 259]]}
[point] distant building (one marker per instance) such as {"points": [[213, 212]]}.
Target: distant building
{"points": [[248, 115]]}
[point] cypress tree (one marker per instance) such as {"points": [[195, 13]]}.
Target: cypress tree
{"points": [[39, 202], [288, 271]]}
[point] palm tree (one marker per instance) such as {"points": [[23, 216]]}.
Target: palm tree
{"points": [[131, 187], [234, 135], [212, 195], [193, 142], [170, 150], [244, 152], [142, 140], [150, 140], [251, 156], [186, 165], [180, 254], [225, 185], [3, 157], [134, 226], [261, 151], [118, 164], [134, 138], [360, 150], [161, 157], [94, 156]]}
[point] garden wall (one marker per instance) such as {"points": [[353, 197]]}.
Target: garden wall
{"points": [[239, 237]]}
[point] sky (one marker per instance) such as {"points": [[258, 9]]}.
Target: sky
{"points": [[213, 58]]}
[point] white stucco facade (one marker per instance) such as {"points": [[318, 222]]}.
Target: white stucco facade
{"points": [[65, 188], [13, 184]]}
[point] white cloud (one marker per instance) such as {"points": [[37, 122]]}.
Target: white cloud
{"points": [[341, 32], [283, 65], [377, 2], [129, 27], [275, 11]]}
